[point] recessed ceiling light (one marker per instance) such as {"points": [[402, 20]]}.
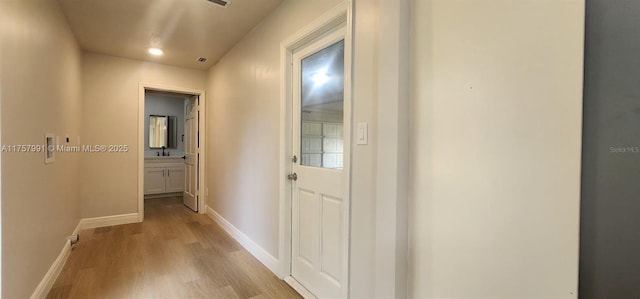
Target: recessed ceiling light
{"points": [[155, 51]]}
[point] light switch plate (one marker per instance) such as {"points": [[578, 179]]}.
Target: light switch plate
{"points": [[362, 134]]}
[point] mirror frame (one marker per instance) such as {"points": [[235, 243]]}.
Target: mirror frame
{"points": [[171, 133]]}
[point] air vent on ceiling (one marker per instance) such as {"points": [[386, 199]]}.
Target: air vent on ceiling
{"points": [[223, 3], [202, 59]]}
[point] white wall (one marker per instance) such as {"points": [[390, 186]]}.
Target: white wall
{"points": [[243, 136], [363, 160], [41, 92], [496, 148], [110, 110], [160, 104], [243, 124]]}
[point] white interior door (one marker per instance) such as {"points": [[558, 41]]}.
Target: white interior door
{"points": [[191, 154], [319, 194]]}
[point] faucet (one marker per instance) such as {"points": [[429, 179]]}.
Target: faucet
{"points": [[163, 151]]}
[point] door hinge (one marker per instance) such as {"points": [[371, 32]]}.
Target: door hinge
{"points": [[292, 176]]}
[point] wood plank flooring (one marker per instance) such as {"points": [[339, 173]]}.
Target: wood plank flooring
{"points": [[174, 253]]}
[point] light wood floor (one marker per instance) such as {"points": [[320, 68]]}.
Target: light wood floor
{"points": [[174, 253]]}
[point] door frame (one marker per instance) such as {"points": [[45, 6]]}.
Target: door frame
{"points": [[144, 86], [334, 18]]}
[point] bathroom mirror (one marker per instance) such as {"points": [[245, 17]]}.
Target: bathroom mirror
{"points": [[162, 131]]}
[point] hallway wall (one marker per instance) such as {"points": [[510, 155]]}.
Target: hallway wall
{"points": [[243, 124], [364, 172], [40, 67], [243, 128], [496, 144], [110, 116]]}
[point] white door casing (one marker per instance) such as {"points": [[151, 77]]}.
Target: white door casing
{"points": [[319, 197], [190, 197], [143, 87], [339, 16]]}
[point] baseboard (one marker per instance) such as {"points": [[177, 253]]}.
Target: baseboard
{"points": [[162, 195], [95, 222], [50, 278], [78, 228], [252, 247]]}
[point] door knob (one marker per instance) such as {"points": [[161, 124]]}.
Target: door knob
{"points": [[292, 176]]}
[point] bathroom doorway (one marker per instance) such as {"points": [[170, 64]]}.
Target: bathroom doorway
{"points": [[171, 147]]}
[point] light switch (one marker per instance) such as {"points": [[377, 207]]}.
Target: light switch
{"points": [[363, 133]]}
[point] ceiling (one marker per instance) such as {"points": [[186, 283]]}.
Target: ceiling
{"points": [[184, 29]]}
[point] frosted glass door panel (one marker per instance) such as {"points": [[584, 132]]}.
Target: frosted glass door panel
{"points": [[322, 108]]}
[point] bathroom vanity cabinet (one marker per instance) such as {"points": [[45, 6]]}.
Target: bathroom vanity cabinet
{"points": [[163, 175]]}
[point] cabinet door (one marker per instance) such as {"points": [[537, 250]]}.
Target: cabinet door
{"points": [[154, 180], [175, 179]]}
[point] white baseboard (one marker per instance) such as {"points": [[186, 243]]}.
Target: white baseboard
{"points": [[78, 228], [252, 247], [50, 278], [87, 223]]}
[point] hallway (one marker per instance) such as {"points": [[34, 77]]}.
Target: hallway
{"points": [[174, 253], [483, 154]]}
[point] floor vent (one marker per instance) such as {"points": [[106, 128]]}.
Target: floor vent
{"points": [[223, 3]]}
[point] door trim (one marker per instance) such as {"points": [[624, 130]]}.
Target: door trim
{"points": [[341, 14], [144, 86]]}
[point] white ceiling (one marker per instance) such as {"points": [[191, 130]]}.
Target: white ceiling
{"points": [[184, 29]]}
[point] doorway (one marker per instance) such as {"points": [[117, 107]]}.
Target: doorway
{"points": [[316, 148], [171, 145]]}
